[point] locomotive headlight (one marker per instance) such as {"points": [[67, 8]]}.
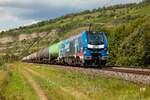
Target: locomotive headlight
{"points": [[86, 48], [85, 52], [105, 49], [107, 53], [88, 57]]}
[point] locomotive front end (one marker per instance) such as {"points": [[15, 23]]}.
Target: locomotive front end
{"points": [[95, 48]]}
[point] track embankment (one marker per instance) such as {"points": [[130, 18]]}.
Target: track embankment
{"points": [[130, 74]]}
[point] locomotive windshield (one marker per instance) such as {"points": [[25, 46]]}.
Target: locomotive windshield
{"points": [[95, 38]]}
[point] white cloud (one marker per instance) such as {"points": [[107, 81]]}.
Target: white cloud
{"points": [[1, 30], [6, 15], [31, 22]]}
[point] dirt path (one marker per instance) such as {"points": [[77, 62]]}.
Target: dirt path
{"points": [[35, 86], [77, 94]]}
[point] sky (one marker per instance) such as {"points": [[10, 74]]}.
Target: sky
{"points": [[15, 13]]}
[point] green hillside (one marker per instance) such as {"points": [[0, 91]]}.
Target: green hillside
{"points": [[127, 27]]}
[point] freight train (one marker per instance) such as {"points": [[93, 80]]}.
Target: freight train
{"points": [[89, 48]]}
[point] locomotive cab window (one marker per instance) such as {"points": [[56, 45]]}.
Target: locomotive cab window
{"points": [[95, 38]]}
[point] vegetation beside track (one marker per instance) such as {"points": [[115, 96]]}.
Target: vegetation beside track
{"points": [[62, 84], [16, 87], [59, 83], [3, 80]]}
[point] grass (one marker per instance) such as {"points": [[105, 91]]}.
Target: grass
{"points": [[2, 75], [3, 80], [17, 88], [63, 84]]}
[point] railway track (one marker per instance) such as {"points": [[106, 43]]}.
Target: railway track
{"points": [[138, 75], [138, 71], [130, 70]]}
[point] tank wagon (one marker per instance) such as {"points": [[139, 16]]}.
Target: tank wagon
{"points": [[87, 48]]}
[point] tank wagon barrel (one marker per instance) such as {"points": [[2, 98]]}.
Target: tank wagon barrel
{"points": [[46, 55], [54, 51], [42, 55]]}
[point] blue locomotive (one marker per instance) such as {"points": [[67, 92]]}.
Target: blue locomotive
{"points": [[89, 48]]}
